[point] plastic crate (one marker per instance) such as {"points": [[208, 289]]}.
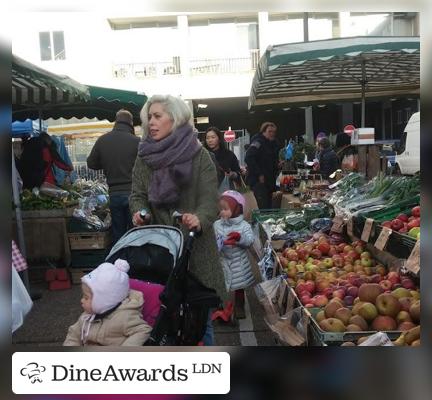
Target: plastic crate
{"points": [[87, 258], [318, 337], [89, 240], [78, 226]]}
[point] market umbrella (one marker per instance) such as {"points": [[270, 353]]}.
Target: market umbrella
{"points": [[345, 69]]}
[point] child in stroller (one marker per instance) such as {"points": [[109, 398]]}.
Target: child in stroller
{"points": [[112, 312], [177, 302]]}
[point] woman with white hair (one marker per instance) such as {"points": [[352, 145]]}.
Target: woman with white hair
{"points": [[173, 172]]}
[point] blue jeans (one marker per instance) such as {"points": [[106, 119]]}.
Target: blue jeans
{"points": [[208, 338], [120, 215]]}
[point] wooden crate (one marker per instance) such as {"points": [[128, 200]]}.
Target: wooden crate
{"points": [[89, 240], [78, 273]]}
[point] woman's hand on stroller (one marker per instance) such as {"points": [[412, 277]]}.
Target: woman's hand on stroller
{"points": [[140, 218], [192, 222]]}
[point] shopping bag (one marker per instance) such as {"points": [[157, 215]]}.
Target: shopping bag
{"points": [[250, 200], [21, 301], [289, 152], [224, 185]]}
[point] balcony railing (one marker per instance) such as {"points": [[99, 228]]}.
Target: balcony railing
{"points": [[224, 65], [204, 66], [146, 70]]}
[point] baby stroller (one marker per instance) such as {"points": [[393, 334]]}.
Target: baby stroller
{"points": [[158, 255]]}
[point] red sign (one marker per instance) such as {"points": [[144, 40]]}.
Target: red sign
{"points": [[349, 129], [229, 136]]}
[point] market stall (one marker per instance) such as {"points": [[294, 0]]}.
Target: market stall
{"points": [[344, 269]]}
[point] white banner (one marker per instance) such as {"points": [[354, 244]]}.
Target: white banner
{"points": [[121, 373]]}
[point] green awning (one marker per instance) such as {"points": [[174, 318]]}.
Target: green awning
{"points": [[37, 93], [333, 70]]}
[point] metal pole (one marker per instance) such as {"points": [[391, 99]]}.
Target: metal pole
{"points": [[19, 223], [306, 27], [363, 83], [40, 121]]}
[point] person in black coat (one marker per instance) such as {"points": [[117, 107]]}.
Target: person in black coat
{"points": [[262, 158], [328, 160], [226, 160]]}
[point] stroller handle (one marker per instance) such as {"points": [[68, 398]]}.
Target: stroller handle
{"points": [[178, 216]]}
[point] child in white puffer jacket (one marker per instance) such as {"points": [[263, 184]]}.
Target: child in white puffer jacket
{"points": [[234, 235]]}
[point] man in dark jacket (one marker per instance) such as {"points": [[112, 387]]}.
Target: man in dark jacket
{"points": [[262, 162], [328, 159], [115, 152]]}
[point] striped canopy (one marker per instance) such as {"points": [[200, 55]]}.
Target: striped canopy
{"points": [[37, 93], [344, 69], [35, 87]]}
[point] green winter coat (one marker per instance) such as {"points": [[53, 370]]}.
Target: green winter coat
{"points": [[199, 198]]}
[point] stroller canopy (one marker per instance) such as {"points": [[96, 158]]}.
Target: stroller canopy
{"points": [[166, 236]]}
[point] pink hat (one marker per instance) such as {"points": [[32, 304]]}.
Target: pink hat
{"points": [[238, 197]]}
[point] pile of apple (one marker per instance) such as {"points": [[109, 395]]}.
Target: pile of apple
{"points": [[406, 224], [308, 259], [374, 310], [345, 286]]}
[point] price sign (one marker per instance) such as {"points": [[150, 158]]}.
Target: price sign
{"points": [[350, 226], [367, 230], [338, 224], [413, 262], [383, 238]]}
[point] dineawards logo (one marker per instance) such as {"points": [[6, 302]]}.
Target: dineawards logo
{"points": [[33, 371], [121, 373]]}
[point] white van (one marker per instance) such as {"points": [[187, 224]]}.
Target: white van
{"points": [[408, 154]]}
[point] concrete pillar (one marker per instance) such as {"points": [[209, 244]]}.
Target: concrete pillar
{"points": [[305, 27], [263, 38], [183, 32], [309, 136]]}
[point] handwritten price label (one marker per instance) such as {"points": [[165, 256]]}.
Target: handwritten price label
{"points": [[383, 238], [338, 224], [367, 230], [413, 262]]}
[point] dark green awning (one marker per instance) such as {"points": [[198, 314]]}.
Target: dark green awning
{"points": [[37, 93], [336, 70]]}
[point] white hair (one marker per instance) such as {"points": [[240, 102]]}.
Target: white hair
{"points": [[175, 107]]}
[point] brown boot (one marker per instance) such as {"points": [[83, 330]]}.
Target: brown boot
{"points": [[239, 304]]}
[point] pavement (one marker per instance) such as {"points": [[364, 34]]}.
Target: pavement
{"points": [[52, 314]]}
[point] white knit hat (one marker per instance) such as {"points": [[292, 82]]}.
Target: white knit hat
{"points": [[109, 284]]}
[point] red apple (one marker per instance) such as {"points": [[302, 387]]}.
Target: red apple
{"points": [[352, 291], [407, 283], [310, 286], [340, 293], [349, 300], [403, 217], [354, 254], [320, 301], [385, 284], [415, 211], [384, 323], [406, 303], [324, 247], [393, 277], [315, 253], [292, 255], [396, 224]]}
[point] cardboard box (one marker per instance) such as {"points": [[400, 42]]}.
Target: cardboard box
{"points": [[363, 136]]}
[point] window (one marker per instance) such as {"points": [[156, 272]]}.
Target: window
{"points": [[52, 46], [399, 117], [407, 113]]}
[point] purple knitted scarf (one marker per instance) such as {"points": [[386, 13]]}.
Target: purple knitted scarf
{"points": [[170, 160]]}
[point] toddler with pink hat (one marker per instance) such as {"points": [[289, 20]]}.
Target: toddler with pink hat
{"points": [[234, 236], [112, 311]]}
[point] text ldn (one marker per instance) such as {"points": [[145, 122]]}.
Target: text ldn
{"points": [[204, 368], [72, 374]]}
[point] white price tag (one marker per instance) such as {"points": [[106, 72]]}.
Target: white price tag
{"points": [[367, 230], [413, 262], [383, 238]]}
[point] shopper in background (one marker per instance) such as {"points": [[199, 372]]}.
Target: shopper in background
{"points": [[262, 158], [115, 152], [173, 172], [227, 163], [328, 161]]}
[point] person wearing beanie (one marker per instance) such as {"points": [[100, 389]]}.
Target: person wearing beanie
{"points": [[112, 311], [115, 153], [234, 235]]}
